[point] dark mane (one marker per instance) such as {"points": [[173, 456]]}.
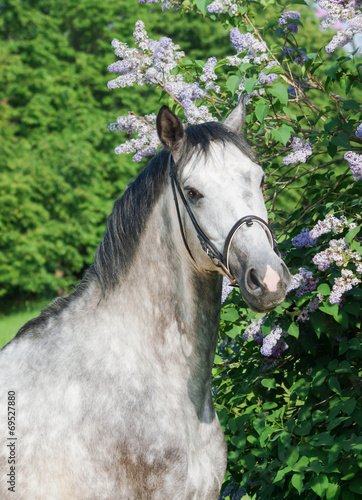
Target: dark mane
{"points": [[127, 221], [130, 213], [201, 136]]}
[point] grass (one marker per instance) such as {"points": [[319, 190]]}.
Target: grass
{"points": [[12, 318]]}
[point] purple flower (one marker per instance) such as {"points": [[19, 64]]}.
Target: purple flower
{"points": [[300, 152], [246, 41], [290, 14], [359, 131], [208, 71], [355, 163], [273, 344], [217, 7], [226, 289], [303, 239], [254, 331], [304, 282], [330, 223]]}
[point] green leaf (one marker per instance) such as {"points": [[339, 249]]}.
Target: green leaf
{"points": [[319, 377], [324, 289], [293, 457], [269, 383], [294, 330], [285, 132], [331, 70], [281, 473], [244, 66], [330, 309], [341, 139], [230, 314], [290, 113], [278, 70], [301, 465], [202, 4], [341, 317], [239, 441], [319, 484], [334, 385], [297, 482], [280, 92], [218, 359], [333, 491], [261, 110], [351, 234], [356, 485], [249, 84], [319, 322], [350, 104], [232, 331], [233, 83]]}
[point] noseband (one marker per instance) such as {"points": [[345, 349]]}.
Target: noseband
{"points": [[218, 259]]}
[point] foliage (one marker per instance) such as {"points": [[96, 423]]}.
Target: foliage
{"points": [[58, 176], [293, 423], [287, 385]]}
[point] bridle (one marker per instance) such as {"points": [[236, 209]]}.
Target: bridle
{"points": [[220, 260]]}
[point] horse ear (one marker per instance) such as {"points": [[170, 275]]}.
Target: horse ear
{"points": [[170, 131], [236, 120]]}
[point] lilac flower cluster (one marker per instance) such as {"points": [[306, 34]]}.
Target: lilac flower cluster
{"points": [[286, 17], [264, 79], [359, 131], [254, 331], [311, 307], [271, 345], [332, 254], [166, 4], [256, 50], [341, 285], [355, 163], [303, 282], [223, 6], [228, 492], [303, 239], [148, 64], [338, 252], [226, 289], [208, 75], [300, 152], [308, 238], [145, 127], [344, 13], [330, 223], [151, 62]]}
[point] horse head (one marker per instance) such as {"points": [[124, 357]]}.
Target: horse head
{"points": [[217, 187]]}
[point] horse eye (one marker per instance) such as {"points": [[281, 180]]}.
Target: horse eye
{"points": [[193, 194]]}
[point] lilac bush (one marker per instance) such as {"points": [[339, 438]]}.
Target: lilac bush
{"points": [[344, 12], [285, 381]]}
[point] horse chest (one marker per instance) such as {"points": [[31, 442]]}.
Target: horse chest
{"points": [[173, 462]]}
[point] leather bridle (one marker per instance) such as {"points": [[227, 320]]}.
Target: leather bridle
{"points": [[220, 260]]}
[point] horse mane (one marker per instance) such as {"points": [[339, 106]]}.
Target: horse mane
{"points": [[130, 213]]}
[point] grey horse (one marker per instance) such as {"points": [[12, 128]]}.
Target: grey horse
{"points": [[111, 385]]}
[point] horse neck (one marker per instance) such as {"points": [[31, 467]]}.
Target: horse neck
{"points": [[179, 305]]}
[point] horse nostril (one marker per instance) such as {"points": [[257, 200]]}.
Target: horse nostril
{"points": [[252, 281]]}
